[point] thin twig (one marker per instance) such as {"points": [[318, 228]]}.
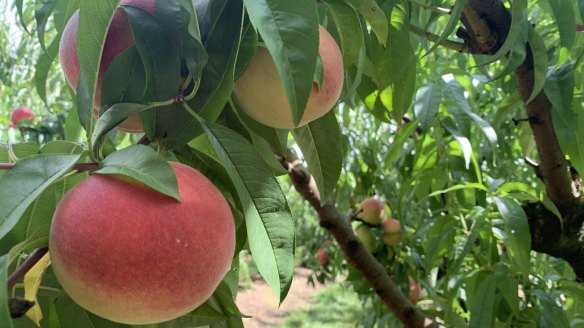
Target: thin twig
{"points": [[449, 44], [30, 261], [439, 10]]}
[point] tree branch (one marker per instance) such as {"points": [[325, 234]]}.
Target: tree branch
{"points": [[19, 306], [355, 252], [30, 261], [449, 44], [487, 21]]}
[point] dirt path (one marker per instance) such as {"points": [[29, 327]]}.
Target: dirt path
{"points": [[261, 303]]}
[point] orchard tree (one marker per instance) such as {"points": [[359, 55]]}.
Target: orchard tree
{"points": [[432, 147]]}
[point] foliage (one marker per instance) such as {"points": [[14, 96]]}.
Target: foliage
{"points": [[439, 135]]}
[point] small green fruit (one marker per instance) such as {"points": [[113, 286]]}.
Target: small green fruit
{"points": [[364, 234]]}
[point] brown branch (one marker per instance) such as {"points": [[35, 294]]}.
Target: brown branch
{"points": [[30, 261], [355, 252], [449, 44], [19, 306]]}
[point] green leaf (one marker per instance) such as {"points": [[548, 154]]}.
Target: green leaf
{"points": [[42, 12], [125, 79], [110, 119], [397, 146], [270, 227], [61, 147], [395, 65], [42, 68], [462, 140], [518, 238], [374, 16], [277, 138], [4, 312], [71, 315], [566, 21], [143, 164], [483, 307], [350, 30], [25, 182], [289, 30], [559, 88], [158, 49], [222, 44], [540, 62], [94, 20], [320, 142], [455, 15], [428, 99], [24, 150]]}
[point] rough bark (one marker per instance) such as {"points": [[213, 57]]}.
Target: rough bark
{"points": [[487, 24]]}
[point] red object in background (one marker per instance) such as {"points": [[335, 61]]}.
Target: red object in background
{"points": [[20, 113], [579, 27], [322, 256]]}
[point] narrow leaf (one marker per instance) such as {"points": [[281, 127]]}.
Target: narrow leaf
{"points": [[518, 235], [320, 142], [428, 99], [25, 182], [483, 307], [374, 16], [270, 227]]}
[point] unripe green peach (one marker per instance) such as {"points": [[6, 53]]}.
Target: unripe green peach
{"points": [[392, 233], [363, 232], [372, 209]]}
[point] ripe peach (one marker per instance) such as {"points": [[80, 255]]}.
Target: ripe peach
{"points": [[119, 38], [20, 113], [322, 256], [259, 92], [415, 289], [392, 233], [132, 255], [372, 211]]}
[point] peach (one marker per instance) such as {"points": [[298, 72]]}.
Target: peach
{"points": [[20, 113], [119, 38], [259, 92], [415, 289], [322, 256], [133, 255], [372, 209], [392, 233]]}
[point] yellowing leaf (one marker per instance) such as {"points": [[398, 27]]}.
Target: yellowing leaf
{"points": [[32, 282]]}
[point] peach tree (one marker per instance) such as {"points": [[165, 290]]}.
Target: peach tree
{"points": [[432, 147]]}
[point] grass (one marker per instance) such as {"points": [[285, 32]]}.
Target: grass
{"points": [[335, 307]]}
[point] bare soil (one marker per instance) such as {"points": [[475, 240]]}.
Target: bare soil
{"points": [[261, 304]]}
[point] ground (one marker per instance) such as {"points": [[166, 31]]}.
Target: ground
{"points": [[261, 304]]}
